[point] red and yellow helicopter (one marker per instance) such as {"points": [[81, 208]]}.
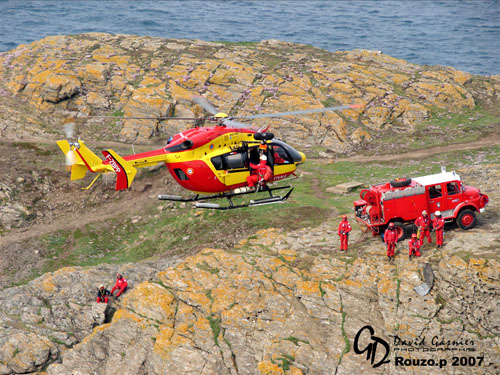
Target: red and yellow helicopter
{"points": [[213, 162]]}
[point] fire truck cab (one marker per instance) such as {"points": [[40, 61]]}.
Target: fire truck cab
{"points": [[402, 201]]}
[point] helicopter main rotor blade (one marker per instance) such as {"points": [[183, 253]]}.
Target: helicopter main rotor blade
{"points": [[205, 104], [293, 113], [159, 118], [236, 124]]}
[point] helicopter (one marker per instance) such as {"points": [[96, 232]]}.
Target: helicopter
{"points": [[213, 162]]}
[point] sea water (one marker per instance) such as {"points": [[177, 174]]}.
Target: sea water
{"points": [[462, 34]]}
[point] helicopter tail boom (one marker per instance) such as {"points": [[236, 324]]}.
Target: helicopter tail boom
{"points": [[91, 160]]}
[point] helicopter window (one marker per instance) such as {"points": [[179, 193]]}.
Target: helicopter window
{"points": [[280, 155], [294, 154], [180, 174], [217, 162]]}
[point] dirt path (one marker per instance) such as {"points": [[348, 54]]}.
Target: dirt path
{"points": [[490, 140], [75, 219]]}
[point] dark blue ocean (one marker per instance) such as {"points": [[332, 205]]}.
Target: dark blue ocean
{"points": [[462, 34]]}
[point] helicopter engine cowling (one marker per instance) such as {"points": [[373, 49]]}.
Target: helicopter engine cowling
{"points": [[263, 136]]}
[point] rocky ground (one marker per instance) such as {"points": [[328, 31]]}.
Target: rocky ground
{"points": [[281, 300], [277, 303]]}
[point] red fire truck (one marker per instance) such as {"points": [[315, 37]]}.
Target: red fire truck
{"points": [[401, 201]]}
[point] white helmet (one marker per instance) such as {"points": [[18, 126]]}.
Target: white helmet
{"points": [[437, 213], [263, 157], [424, 212], [101, 286]]}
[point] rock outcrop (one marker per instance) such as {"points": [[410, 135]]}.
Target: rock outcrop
{"points": [[61, 76], [243, 312]]}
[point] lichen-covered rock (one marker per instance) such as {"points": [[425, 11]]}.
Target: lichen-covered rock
{"points": [[100, 73], [51, 314], [243, 312], [231, 313]]}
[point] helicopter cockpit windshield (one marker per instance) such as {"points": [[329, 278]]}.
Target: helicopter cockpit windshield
{"points": [[286, 150]]}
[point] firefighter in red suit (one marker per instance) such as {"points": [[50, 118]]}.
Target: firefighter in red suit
{"points": [[121, 285], [391, 238], [344, 229], [414, 246], [424, 227], [260, 172], [438, 226]]}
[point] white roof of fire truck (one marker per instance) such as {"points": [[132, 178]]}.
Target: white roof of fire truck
{"points": [[437, 178]]}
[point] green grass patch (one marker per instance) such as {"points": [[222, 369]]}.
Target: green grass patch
{"points": [[286, 361], [205, 267], [347, 347], [57, 341], [296, 340], [398, 287], [32, 147], [208, 293], [442, 128], [329, 102], [321, 290], [440, 301], [118, 113], [465, 255], [215, 326]]}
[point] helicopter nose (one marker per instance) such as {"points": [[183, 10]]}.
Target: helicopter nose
{"points": [[303, 157]]}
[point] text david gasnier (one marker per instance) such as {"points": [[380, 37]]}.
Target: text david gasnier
{"points": [[436, 344], [377, 350]]}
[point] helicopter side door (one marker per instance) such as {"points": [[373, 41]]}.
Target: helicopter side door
{"points": [[233, 167]]}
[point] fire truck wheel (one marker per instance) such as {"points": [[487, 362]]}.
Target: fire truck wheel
{"points": [[466, 219], [402, 231], [401, 182]]}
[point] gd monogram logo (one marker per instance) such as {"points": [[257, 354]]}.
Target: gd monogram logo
{"points": [[371, 348]]}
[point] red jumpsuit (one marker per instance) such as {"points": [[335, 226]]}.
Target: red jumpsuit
{"points": [[260, 171], [121, 285], [102, 295], [438, 225], [414, 246], [344, 229], [424, 228], [390, 238]]}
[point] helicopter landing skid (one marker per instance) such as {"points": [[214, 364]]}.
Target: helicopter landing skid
{"points": [[254, 202]]}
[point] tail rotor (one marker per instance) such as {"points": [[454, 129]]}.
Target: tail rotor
{"points": [[69, 131]]}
